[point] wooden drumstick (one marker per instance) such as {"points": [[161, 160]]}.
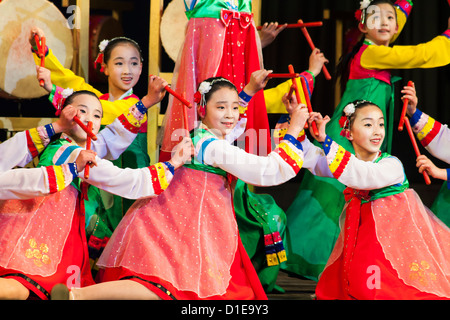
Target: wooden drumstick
{"points": [[41, 53], [416, 148], [299, 25], [86, 129], [405, 105], [88, 147], [311, 44], [297, 92]]}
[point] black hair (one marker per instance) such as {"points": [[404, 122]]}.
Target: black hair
{"points": [[359, 104], [117, 41], [75, 94], [343, 67]]}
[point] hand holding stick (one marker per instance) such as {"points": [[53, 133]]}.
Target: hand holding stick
{"points": [[88, 147], [405, 105], [416, 148], [86, 129], [41, 52], [308, 104], [311, 44], [294, 88]]}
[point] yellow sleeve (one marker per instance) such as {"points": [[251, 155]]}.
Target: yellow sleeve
{"points": [[111, 110], [432, 54], [403, 9], [273, 96], [64, 77]]}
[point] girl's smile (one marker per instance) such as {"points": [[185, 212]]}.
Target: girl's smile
{"points": [[222, 111]]}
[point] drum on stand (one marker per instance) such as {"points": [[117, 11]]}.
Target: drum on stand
{"points": [[173, 28], [18, 78]]}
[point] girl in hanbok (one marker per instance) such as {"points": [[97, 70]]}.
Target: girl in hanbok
{"points": [[43, 240], [185, 244], [365, 74], [390, 245], [121, 61], [25, 183]]}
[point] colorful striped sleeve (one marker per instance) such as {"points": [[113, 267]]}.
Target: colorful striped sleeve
{"points": [[59, 176], [38, 138], [158, 176], [134, 117], [337, 156], [425, 127], [288, 154]]}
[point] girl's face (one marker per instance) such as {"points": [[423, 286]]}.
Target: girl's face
{"points": [[367, 132], [123, 69], [89, 109], [222, 112], [381, 24]]}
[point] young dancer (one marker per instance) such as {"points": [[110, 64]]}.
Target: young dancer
{"points": [[390, 245], [44, 240], [22, 148], [189, 241], [121, 61], [315, 211]]}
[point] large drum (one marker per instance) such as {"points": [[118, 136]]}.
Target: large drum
{"points": [[17, 68], [173, 28]]}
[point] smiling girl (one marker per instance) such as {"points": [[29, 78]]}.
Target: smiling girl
{"points": [[390, 245], [189, 244], [121, 62], [44, 239]]}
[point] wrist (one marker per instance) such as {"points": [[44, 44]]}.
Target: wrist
{"points": [[171, 166], [246, 94], [147, 101]]}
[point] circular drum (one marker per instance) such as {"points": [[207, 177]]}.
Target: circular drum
{"points": [[173, 27], [18, 78]]}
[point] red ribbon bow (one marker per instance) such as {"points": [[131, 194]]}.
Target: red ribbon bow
{"points": [[350, 193]]}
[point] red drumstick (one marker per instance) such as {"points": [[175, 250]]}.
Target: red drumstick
{"points": [[86, 129], [41, 53], [283, 75], [311, 44], [416, 148], [179, 97], [299, 25], [308, 104], [405, 105], [176, 95], [185, 117], [88, 147]]}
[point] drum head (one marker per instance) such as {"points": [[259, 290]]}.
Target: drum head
{"points": [[173, 26], [18, 76]]}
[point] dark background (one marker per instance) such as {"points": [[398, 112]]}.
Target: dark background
{"points": [[428, 19]]}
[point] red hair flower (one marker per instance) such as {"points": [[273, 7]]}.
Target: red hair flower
{"points": [[197, 97]]}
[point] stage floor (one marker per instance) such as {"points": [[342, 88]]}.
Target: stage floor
{"points": [[296, 289]]}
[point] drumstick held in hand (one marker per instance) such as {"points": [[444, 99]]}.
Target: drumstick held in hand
{"points": [[416, 148], [308, 104], [41, 52], [311, 44], [88, 147], [86, 129], [405, 106]]}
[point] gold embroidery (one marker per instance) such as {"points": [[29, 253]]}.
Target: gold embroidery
{"points": [[419, 272], [38, 255]]}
